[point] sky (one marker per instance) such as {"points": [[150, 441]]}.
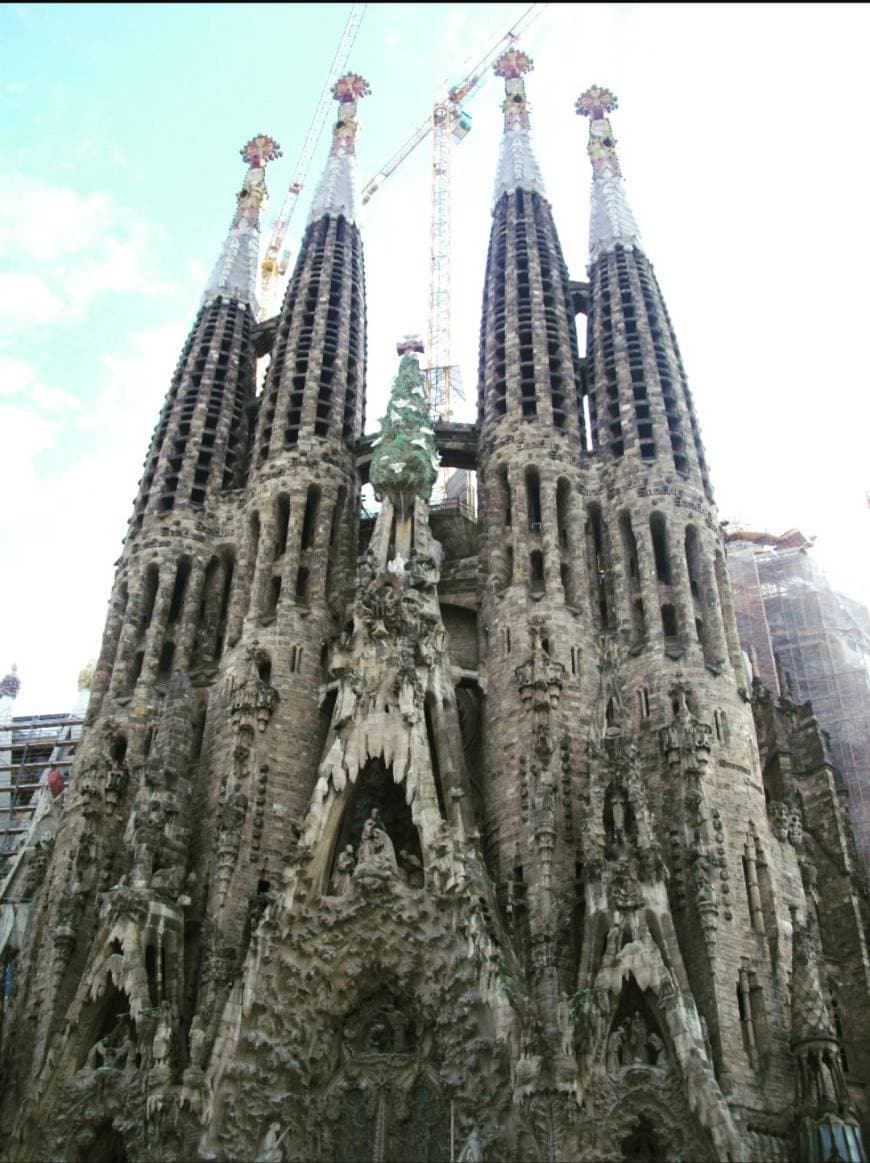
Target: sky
{"points": [[742, 138]]}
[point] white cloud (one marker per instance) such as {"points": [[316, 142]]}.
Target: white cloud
{"points": [[19, 377], [65, 528], [83, 244], [45, 222], [25, 298]]}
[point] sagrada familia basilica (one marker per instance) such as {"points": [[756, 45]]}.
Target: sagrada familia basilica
{"points": [[437, 838]]}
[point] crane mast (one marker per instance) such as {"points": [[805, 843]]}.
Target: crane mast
{"points": [[447, 123], [442, 377], [276, 258]]}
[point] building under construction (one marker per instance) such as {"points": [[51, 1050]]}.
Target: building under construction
{"points": [[808, 643], [447, 835]]}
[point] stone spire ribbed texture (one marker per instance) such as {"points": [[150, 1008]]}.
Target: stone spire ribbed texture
{"points": [[236, 271], [640, 404], [529, 362], [315, 381]]}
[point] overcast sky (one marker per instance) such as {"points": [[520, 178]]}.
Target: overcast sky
{"points": [[742, 134]]}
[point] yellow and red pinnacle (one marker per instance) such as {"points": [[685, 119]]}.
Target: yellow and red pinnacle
{"points": [[513, 64], [596, 103], [350, 87], [260, 150]]}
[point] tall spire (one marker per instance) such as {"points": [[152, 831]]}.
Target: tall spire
{"points": [[611, 222], [235, 272], [517, 165], [337, 192]]}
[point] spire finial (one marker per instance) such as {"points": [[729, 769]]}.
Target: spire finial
{"points": [[513, 64], [596, 102], [517, 166], [347, 90], [350, 87], [257, 152], [611, 220], [260, 150]]}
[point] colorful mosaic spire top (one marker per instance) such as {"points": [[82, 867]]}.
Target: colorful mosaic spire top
{"points": [[611, 222], [236, 270], [517, 166], [337, 193]]}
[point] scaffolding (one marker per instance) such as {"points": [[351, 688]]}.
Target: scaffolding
{"points": [[819, 643], [35, 750]]}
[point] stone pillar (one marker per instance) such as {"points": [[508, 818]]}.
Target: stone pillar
{"points": [[682, 590], [188, 626], [550, 540], [649, 586], [265, 561], [156, 632]]}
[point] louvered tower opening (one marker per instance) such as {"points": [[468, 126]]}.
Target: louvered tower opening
{"points": [[314, 382], [198, 443], [529, 360]]}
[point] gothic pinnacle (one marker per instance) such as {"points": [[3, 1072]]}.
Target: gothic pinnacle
{"points": [[611, 222], [235, 273], [517, 166], [336, 193]]}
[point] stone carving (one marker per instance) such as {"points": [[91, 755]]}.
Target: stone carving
{"points": [[344, 867], [270, 1148], [472, 1152], [540, 680], [252, 699], [232, 820], [376, 857], [633, 1043]]}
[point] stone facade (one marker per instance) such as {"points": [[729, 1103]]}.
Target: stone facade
{"points": [[436, 839]]}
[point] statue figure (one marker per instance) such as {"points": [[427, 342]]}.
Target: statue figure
{"points": [[412, 866], [637, 1038], [344, 871], [376, 852], [611, 944], [270, 1148], [147, 830], [197, 1043], [618, 809], [701, 870], [615, 1044], [671, 736], [233, 814], [161, 1045], [472, 1152], [779, 819], [543, 801], [701, 735]]}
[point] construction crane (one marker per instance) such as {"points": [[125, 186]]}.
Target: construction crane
{"points": [[447, 123], [276, 259]]}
